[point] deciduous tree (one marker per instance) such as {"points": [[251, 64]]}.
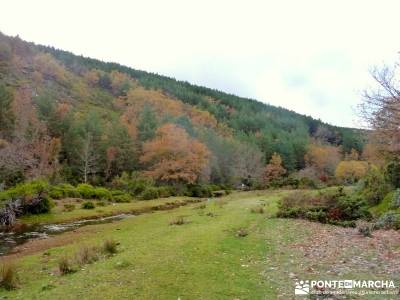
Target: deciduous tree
{"points": [[7, 117], [350, 171], [173, 157], [274, 170]]}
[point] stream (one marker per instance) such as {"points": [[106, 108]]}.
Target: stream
{"points": [[9, 239]]}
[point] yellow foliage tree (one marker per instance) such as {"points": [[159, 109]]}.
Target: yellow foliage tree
{"points": [[350, 171], [323, 158], [49, 67]]}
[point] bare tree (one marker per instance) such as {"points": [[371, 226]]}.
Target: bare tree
{"points": [[381, 109], [88, 157]]}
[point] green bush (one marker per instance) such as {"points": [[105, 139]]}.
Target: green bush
{"points": [[374, 186], [317, 215], [37, 207], [86, 191], [200, 191], [69, 207], [150, 193], [56, 193], [166, 191], [28, 189], [353, 208], [396, 199], [88, 205], [389, 220], [102, 193], [120, 196], [306, 182], [134, 183], [392, 173], [331, 206]]}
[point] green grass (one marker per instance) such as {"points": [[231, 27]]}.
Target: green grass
{"points": [[202, 259], [384, 206], [59, 215]]}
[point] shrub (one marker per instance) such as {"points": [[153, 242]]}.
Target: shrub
{"points": [[8, 279], [166, 191], [63, 191], [198, 190], [86, 191], [88, 205], [65, 266], [332, 206], [374, 186], [134, 183], [242, 232], [396, 199], [220, 193], [102, 193], [150, 193], [28, 189], [258, 210], [68, 190], [56, 193], [353, 208], [305, 183], [37, 205], [291, 182], [69, 207], [201, 206], [392, 173], [120, 196], [308, 178], [180, 220], [317, 215], [389, 220], [110, 246], [87, 255], [365, 230]]}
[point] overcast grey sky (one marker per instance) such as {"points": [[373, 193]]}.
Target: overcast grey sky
{"points": [[309, 56]]}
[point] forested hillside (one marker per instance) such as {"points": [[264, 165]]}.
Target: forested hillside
{"points": [[74, 119]]}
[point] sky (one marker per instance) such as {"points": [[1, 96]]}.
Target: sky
{"points": [[310, 56]]}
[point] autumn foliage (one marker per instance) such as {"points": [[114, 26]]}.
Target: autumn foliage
{"points": [[351, 170], [174, 157], [323, 158], [274, 170]]}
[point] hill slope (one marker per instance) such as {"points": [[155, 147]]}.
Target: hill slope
{"points": [[77, 118]]}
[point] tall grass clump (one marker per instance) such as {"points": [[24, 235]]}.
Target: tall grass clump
{"points": [[110, 246], [87, 255], [8, 279], [65, 266]]}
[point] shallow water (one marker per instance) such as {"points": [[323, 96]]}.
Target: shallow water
{"points": [[19, 235]]}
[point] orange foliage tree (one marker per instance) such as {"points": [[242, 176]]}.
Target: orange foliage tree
{"points": [[274, 170], [323, 158], [174, 157]]}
